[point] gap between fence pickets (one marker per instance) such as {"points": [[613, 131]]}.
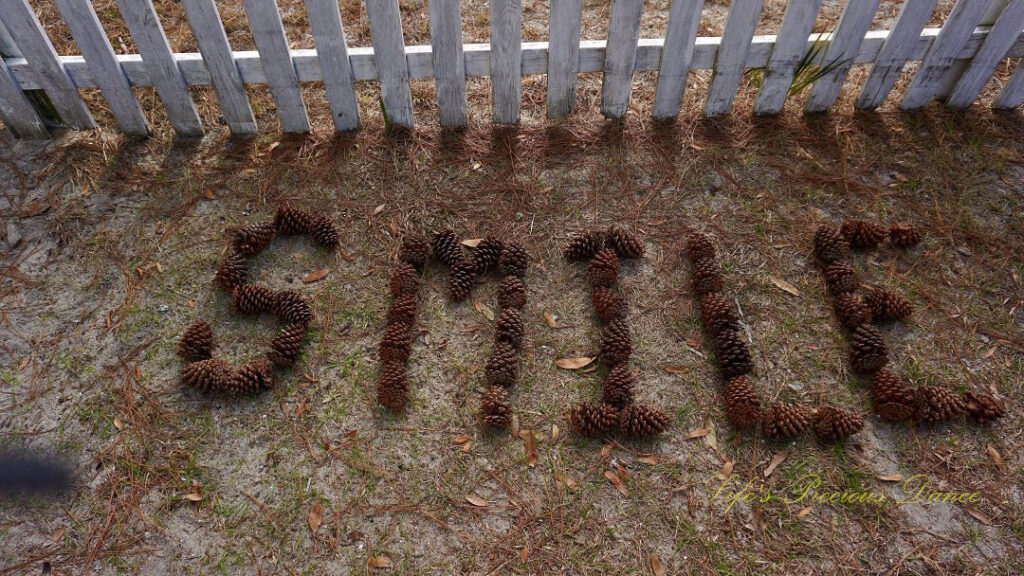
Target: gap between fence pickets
{"points": [[477, 59]]}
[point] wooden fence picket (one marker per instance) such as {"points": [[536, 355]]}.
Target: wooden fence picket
{"points": [[895, 52], [15, 109], [683, 23], [332, 54], [38, 51], [843, 48], [732, 56], [789, 51], [389, 56], [272, 44], [1012, 94], [506, 59], [620, 56], [449, 61], [161, 66], [563, 56], [224, 75], [998, 42], [85, 28]]}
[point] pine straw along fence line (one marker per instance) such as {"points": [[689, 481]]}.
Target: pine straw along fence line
{"points": [[955, 60]]}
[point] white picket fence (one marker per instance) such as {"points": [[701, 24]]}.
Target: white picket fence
{"points": [[956, 60]]}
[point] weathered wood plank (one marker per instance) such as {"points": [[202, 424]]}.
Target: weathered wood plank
{"points": [[506, 59], [789, 51], [1000, 38], [683, 23], [160, 66], [732, 56], [895, 53], [620, 56], [449, 61], [28, 33], [332, 49], [15, 109], [1012, 94], [940, 57], [842, 49], [563, 56], [272, 44], [92, 41], [389, 57], [213, 44]]}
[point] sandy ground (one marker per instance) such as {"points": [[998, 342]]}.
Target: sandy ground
{"points": [[108, 251]]}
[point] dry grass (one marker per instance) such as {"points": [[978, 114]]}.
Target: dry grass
{"points": [[121, 239]]}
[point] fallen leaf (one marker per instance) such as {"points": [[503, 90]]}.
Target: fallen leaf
{"points": [[378, 209], [649, 460], [979, 516], [803, 512], [991, 352], [692, 342], [118, 424], [726, 470], [776, 460], [378, 562], [191, 303], [656, 566], [58, 534], [554, 433], [524, 555], [994, 455], [315, 516], [472, 242], [551, 320], [530, 445], [677, 369], [193, 497], [784, 285], [606, 450], [697, 433], [616, 481], [890, 477], [484, 309], [573, 363], [711, 439], [315, 276], [460, 440], [477, 501]]}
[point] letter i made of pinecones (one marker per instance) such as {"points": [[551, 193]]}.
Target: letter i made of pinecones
{"points": [[743, 408], [196, 345], [617, 411], [502, 370], [400, 321], [858, 307]]}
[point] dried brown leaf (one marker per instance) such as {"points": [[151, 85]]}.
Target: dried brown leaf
{"points": [[378, 562], [484, 309], [617, 482], [726, 470], [979, 515], [315, 276], [460, 439], [782, 284], [650, 460], [994, 455], [803, 512], [890, 477], [530, 446], [472, 242], [776, 460], [477, 501], [378, 209], [315, 516], [573, 363], [698, 433], [656, 566], [551, 319]]}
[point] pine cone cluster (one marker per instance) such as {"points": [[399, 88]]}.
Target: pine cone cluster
{"points": [[705, 277], [594, 419], [502, 369], [253, 239], [487, 253], [292, 308], [718, 313], [742, 405], [640, 421], [618, 388], [495, 409], [892, 396], [512, 293], [415, 252], [396, 343], [447, 248], [887, 305], [252, 378], [232, 272], [699, 247], [514, 260], [868, 352], [290, 220], [207, 376], [196, 342], [461, 279], [616, 343], [851, 310], [830, 244], [625, 243], [782, 421], [286, 347], [905, 235], [733, 355], [862, 234], [253, 299], [841, 278], [832, 424], [603, 269], [608, 303], [404, 280], [584, 246]]}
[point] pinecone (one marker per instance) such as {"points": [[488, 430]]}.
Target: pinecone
{"points": [[887, 305], [868, 352], [253, 299], [594, 419], [603, 269], [841, 278], [511, 293], [832, 424], [733, 354], [905, 235], [640, 421], [616, 344], [286, 347], [938, 404], [503, 365], [290, 220], [862, 234], [495, 409], [718, 313], [583, 246], [783, 421], [608, 303], [625, 243], [402, 311], [830, 245], [447, 248], [396, 344], [705, 277], [253, 239], [196, 342], [851, 310], [510, 328], [617, 389], [893, 398], [699, 247], [742, 406], [415, 251], [207, 375], [404, 281], [983, 407], [461, 279], [252, 378], [487, 253], [324, 233], [233, 271], [392, 386], [292, 308], [514, 260]]}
